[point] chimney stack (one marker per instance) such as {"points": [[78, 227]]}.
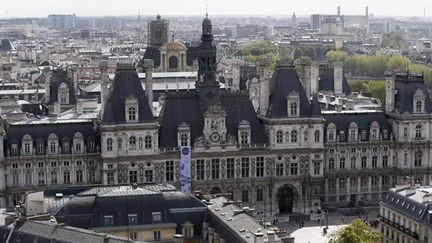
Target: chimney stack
{"points": [[271, 236], [338, 77], [390, 91], [338, 10], [264, 89], [47, 76], [306, 76], [57, 108], [178, 238], [367, 11], [148, 68], [314, 72]]}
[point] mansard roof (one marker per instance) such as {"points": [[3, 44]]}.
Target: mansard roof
{"points": [[285, 82], [363, 120], [153, 53], [184, 108], [126, 84], [87, 209], [57, 78], [326, 82], [406, 86]]}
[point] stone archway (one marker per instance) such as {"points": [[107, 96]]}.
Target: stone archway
{"points": [[215, 190], [173, 62], [286, 198]]}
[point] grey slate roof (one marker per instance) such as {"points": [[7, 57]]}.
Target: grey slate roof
{"points": [[285, 81], [184, 108], [326, 82], [40, 132], [58, 77], [406, 86], [47, 232], [363, 120], [87, 209], [126, 83], [153, 52]]}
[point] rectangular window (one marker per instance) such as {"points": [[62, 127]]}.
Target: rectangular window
{"points": [[132, 219], [110, 178], [156, 235], [78, 147], [28, 165], [79, 176], [66, 177], [169, 171], [230, 168], [260, 166], [53, 164], [133, 235], [215, 169], [342, 136], [92, 176], [15, 179], [363, 135], [79, 162], [108, 220], [385, 161], [317, 168], [148, 174], [133, 176], [294, 168], [27, 148], [41, 178], [53, 177], [40, 148], [244, 137], [14, 149], [259, 195], [331, 164], [28, 179], [200, 170], [65, 163], [353, 162], [156, 217], [374, 161], [279, 169], [245, 167], [245, 195], [364, 162], [65, 147], [53, 147], [342, 163]]}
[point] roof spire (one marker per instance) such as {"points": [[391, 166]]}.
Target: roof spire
{"points": [[206, 10]]}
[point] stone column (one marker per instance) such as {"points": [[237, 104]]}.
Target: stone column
{"points": [[326, 189], [369, 196], [358, 185], [337, 189], [348, 185]]}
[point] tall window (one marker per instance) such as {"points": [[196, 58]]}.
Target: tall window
{"points": [[79, 176], [364, 162], [27, 148], [133, 176], [230, 168], [120, 144], [317, 168], [294, 136], [418, 131], [109, 144], [259, 166], [148, 175], [317, 136], [279, 169], [374, 161], [148, 142], [385, 161], [245, 167], [200, 170], [53, 177], [132, 114], [244, 137], [342, 163], [110, 178], [91, 145], [184, 141], [132, 142], [40, 147], [419, 106], [294, 168], [279, 136], [66, 177], [169, 170], [293, 108], [53, 147], [259, 195], [245, 195], [353, 162], [418, 159], [215, 169]]}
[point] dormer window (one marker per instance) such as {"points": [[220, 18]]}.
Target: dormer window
{"points": [[183, 135], [14, 149], [244, 133], [293, 104], [317, 136], [78, 141], [131, 109], [52, 143], [27, 144], [63, 94], [419, 101], [294, 136], [374, 131]]}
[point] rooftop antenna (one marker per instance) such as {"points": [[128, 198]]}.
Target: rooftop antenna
{"points": [[206, 10]]}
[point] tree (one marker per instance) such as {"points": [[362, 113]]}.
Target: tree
{"points": [[398, 62], [395, 40], [336, 56], [356, 232]]}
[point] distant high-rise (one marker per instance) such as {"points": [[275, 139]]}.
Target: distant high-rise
{"points": [[158, 32]]}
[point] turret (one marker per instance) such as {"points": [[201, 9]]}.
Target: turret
{"points": [[390, 91], [104, 80], [264, 90], [148, 68]]}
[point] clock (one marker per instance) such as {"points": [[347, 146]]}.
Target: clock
{"points": [[215, 137]]}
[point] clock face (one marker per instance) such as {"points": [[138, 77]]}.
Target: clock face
{"points": [[215, 137]]}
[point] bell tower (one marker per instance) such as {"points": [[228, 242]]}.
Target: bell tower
{"points": [[207, 86]]}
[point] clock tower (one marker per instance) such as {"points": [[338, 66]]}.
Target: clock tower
{"points": [[214, 125], [207, 86]]}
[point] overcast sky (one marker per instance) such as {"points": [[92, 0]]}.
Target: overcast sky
{"points": [[41, 8]]}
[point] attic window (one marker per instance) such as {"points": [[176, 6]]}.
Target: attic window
{"points": [[419, 106], [108, 220], [132, 114], [156, 217], [131, 109], [293, 108]]}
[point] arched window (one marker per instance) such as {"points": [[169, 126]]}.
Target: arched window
{"points": [[418, 131], [148, 142], [132, 114], [279, 136], [140, 143], [294, 136], [418, 158], [293, 108], [109, 144], [317, 136], [419, 106], [173, 62], [132, 142], [120, 144], [184, 139]]}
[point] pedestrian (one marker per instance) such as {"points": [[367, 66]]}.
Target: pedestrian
{"points": [[302, 223], [342, 219]]}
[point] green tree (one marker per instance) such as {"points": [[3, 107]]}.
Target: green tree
{"points": [[376, 89], [357, 85], [398, 62], [336, 56], [356, 232], [395, 40], [377, 65]]}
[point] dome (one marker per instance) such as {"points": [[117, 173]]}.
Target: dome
{"points": [[206, 22]]}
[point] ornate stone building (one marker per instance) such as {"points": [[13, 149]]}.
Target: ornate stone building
{"points": [[288, 156]]}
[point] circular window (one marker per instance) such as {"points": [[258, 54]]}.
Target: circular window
{"points": [[133, 165], [148, 164]]}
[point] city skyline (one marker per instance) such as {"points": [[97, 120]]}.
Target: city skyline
{"points": [[14, 9]]}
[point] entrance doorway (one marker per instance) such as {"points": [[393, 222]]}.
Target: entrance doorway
{"points": [[285, 198]]}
